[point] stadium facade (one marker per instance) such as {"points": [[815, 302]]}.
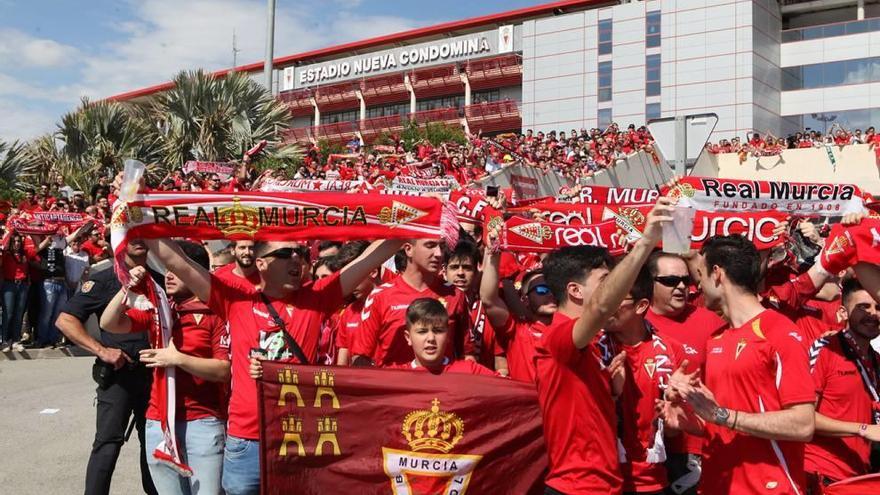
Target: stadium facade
{"points": [[761, 65]]}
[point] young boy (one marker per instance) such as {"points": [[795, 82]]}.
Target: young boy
{"points": [[427, 332]]}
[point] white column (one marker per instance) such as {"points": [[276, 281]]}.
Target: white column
{"points": [[363, 103], [412, 93], [467, 89], [317, 112], [860, 10]]}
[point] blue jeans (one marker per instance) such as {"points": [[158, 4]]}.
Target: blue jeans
{"points": [[241, 466], [14, 305], [52, 297], [201, 445]]}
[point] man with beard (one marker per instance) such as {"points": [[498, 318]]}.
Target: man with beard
{"points": [[380, 340], [755, 403], [243, 267], [123, 383], [845, 371], [692, 326]]}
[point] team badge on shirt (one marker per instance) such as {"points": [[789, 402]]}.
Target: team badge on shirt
{"points": [[739, 348], [430, 467], [87, 286], [650, 367]]}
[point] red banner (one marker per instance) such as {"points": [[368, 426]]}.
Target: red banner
{"points": [[311, 185], [524, 187], [59, 217], [374, 431], [522, 235], [796, 198], [219, 168]]}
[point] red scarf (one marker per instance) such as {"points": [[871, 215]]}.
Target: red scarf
{"points": [[796, 198], [260, 216], [312, 185], [522, 235]]}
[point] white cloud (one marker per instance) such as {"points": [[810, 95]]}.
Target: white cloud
{"points": [[19, 121], [18, 49], [162, 38]]}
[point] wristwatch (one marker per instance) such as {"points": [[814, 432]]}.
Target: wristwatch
{"points": [[720, 416]]}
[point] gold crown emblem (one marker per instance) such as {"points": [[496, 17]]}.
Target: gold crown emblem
{"points": [[125, 215], [399, 214], [239, 220], [433, 430], [633, 216], [534, 232]]}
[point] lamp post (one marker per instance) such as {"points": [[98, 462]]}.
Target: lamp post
{"points": [[270, 42]]}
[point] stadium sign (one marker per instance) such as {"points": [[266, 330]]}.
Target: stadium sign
{"points": [[476, 45]]}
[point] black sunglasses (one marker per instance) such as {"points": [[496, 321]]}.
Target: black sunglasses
{"points": [[540, 289], [282, 253], [673, 280]]}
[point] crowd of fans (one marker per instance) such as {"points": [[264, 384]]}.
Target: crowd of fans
{"points": [[576, 322], [770, 145]]}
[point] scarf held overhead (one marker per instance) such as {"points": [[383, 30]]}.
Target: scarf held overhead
{"points": [[522, 235], [796, 198]]}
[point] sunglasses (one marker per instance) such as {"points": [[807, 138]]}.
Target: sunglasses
{"points": [[540, 289], [282, 253], [673, 280]]}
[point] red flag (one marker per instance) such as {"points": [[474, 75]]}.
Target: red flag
{"points": [[522, 235], [366, 431]]}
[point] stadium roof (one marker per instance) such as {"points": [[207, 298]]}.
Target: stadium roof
{"points": [[401, 37]]}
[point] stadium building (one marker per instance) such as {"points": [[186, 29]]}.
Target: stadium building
{"points": [[761, 65]]}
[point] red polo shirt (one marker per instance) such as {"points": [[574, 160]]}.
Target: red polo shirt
{"points": [[760, 366], [580, 422], [842, 396]]}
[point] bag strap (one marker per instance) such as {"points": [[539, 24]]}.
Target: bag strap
{"points": [[288, 339]]}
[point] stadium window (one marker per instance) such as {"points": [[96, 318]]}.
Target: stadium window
{"points": [[604, 116], [652, 111], [604, 81], [347, 116], [652, 29], [652, 75], [486, 96], [605, 36]]}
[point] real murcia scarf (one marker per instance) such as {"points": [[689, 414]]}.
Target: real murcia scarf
{"points": [[796, 198], [522, 235]]}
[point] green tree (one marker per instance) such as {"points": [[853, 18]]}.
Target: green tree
{"points": [[15, 167], [97, 138], [213, 118]]}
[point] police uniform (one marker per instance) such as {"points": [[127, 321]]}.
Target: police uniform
{"points": [[120, 393]]}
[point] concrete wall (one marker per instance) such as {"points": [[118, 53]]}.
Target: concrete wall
{"points": [[855, 165]]}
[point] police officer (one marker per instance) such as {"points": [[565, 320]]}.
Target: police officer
{"points": [[123, 383]]}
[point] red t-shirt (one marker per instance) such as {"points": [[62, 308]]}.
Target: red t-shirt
{"points": [[252, 326], [197, 332], [348, 323], [518, 338], [227, 272], [842, 396], [92, 249], [794, 299], [649, 365], [692, 328], [580, 422], [760, 366], [481, 341], [449, 366], [384, 319], [15, 268]]}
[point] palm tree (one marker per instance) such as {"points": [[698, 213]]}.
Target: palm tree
{"points": [[213, 119], [15, 167], [47, 159], [97, 138]]}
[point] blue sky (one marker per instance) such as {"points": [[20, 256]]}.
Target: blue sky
{"points": [[52, 52]]}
